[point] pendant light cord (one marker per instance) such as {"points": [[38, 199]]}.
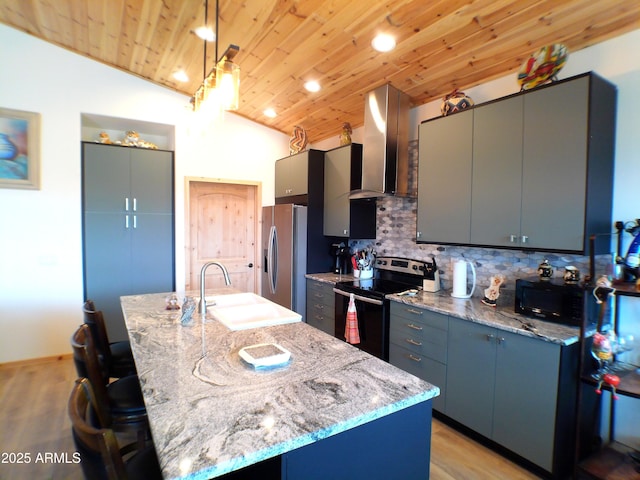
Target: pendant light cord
{"points": [[217, 16]]}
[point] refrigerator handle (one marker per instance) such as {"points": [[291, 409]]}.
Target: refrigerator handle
{"points": [[272, 259]]}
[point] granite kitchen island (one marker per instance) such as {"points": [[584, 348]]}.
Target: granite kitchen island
{"points": [[332, 412]]}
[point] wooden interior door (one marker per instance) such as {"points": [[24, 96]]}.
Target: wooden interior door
{"points": [[222, 225]]}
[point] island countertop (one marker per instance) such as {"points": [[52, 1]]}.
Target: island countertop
{"points": [[211, 413]]}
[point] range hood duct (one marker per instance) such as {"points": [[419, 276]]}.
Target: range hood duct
{"points": [[385, 159]]}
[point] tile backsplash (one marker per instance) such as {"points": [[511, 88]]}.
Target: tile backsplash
{"points": [[396, 236]]}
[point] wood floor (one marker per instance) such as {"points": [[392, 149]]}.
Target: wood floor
{"points": [[33, 420]]}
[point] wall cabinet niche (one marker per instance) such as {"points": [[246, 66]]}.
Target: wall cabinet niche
{"points": [[531, 171], [128, 226]]}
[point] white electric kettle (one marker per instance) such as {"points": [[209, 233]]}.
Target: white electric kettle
{"points": [[460, 279]]}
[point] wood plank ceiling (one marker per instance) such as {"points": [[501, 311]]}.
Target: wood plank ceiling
{"points": [[441, 45]]}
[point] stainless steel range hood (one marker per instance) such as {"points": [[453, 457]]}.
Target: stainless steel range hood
{"points": [[385, 161]]}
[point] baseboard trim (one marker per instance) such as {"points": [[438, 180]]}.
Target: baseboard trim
{"points": [[36, 361]]}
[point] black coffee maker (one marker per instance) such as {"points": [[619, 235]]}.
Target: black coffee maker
{"points": [[341, 258]]}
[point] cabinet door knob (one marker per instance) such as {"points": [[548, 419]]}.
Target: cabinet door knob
{"points": [[525, 239], [490, 337], [346, 232], [513, 238], [250, 265]]}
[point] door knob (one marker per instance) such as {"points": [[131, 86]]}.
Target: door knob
{"points": [[250, 265]]}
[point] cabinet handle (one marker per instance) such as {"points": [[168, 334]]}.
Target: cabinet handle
{"points": [[525, 239], [126, 204], [415, 312], [318, 295], [490, 337], [346, 232], [135, 221], [320, 318], [319, 307], [414, 358], [418, 234], [513, 238], [126, 221], [501, 340], [135, 203], [413, 342], [414, 327]]}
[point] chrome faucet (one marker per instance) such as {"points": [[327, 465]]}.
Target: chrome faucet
{"points": [[227, 281]]}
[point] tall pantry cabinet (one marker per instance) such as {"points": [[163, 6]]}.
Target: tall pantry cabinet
{"points": [[128, 226]]}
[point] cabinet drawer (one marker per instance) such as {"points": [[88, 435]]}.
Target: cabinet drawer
{"points": [[422, 367], [318, 292], [322, 320], [420, 339], [415, 314]]}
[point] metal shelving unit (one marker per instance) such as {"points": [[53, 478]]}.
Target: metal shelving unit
{"points": [[613, 460]]}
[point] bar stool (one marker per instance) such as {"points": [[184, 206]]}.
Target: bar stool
{"points": [[120, 402], [117, 356], [100, 456]]}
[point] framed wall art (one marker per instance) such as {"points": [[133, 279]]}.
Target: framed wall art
{"points": [[19, 149]]}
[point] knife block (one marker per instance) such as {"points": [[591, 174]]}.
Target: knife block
{"points": [[431, 285]]}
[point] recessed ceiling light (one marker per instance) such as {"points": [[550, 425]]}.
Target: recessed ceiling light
{"points": [[312, 86], [181, 76], [270, 112], [383, 42], [205, 33]]}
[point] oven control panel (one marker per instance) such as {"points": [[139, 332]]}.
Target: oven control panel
{"points": [[401, 265]]}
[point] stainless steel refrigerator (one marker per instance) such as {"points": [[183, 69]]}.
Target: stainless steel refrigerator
{"points": [[284, 247]]}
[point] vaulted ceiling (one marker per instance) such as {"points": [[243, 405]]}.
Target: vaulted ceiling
{"points": [[441, 45]]}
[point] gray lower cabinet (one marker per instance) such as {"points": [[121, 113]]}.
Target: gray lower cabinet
{"points": [[320, 306], [515, 390], [128, 226], [418, 345]]}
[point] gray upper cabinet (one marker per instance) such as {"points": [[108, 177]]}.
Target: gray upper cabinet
{"points": [[444, 179], [555, 166], [497, 160], [128, 226], [533, 170], [292, 175], [337, 185], [344, 217]]}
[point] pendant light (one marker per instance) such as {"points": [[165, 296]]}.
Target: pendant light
{"points": [[221, 86]]}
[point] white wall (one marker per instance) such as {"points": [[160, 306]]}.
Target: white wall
{"points": [[41, 290]]}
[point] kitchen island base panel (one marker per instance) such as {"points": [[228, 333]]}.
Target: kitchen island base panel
{"points": [[394, 446]]}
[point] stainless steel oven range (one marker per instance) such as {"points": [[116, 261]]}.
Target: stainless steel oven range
{"points": [[392, 275]]}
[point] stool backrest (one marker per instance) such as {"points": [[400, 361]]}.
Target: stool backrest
{"points": [[100, 456], [88, 366], [95, 319]]}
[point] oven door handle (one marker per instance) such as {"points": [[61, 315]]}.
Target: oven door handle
{"points": [[359, 297]]}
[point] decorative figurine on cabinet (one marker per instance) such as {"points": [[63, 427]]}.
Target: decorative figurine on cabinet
{"points": [[492, 293], [345, 136], [455, 102], [298, 141]]}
